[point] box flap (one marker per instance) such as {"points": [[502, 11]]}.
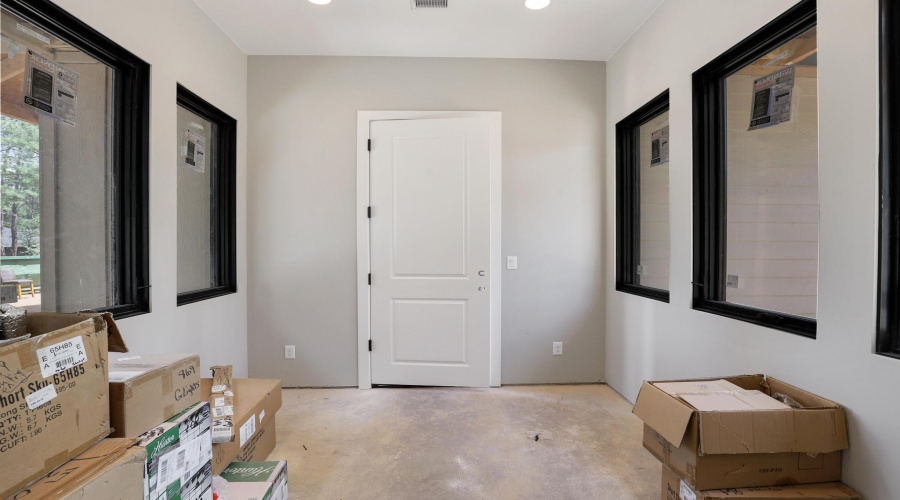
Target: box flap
{"points": [[78, 471], [733, 401], [115, 340], [772, 431], [697, 386], [664, 414]]}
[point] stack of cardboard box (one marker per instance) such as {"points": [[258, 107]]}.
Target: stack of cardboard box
{"points": [[255, 404], [81, 417], [750, 436]]}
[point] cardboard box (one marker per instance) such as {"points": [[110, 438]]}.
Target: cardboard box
{"points": [[258, 447], [110, 470], [714, 449], [255, 403], [179, 456], [147, 389], [673, 488], [256, 480], [54, 394]]}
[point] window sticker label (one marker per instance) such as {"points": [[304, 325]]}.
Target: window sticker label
{"points": [[772, 95], [659, 147], [194, 151], [61, 356], [32, 33], [50, 88]]}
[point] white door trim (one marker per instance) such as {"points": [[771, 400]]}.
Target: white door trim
{"points": [[362, 231]]}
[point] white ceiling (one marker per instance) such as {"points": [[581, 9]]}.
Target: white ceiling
{"points": [[567, 29]]}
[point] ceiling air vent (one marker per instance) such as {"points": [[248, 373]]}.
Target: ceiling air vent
{"points": [[429, 4]]}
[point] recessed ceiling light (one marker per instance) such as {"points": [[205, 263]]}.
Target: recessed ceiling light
{"points": [[534, 4], [320, 2]]}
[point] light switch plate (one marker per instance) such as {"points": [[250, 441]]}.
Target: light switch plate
{"points": [[512, 262]]}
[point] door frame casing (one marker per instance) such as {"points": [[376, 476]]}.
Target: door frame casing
{"points": [[363, 259]]}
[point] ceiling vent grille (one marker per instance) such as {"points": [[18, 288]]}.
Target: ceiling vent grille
{"points": [[429, 4]]}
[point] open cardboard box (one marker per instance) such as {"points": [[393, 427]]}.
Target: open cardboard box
{"points": [[744, 447], [53, 392]]}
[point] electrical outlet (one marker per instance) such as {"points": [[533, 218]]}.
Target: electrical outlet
{"points": [[289, 352], [557, 348], [512, 262]]}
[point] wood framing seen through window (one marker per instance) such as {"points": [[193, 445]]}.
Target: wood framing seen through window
{"points": [[642, 201], [75, 143], [756, 226]]}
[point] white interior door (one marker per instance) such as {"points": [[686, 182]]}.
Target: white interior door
{"points": [[430, 251]]}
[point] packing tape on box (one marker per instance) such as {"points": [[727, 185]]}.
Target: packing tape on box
{"points": [[56, 460], [167, 382]]}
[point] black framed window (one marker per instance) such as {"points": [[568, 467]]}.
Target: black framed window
{"points": [[756, 177], [642, 201], [75, 133], [207, 163], [888, 338]]}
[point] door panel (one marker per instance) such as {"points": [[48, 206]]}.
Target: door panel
{"points": [[430, 252], [427, 331], [429, 241]]}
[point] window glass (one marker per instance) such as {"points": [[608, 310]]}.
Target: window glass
{"points": [[197, 167], [57, 180], [652, 254], [772, 180]]}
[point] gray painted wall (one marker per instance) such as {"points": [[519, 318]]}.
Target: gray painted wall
{"points": [[302, 202], [650, 340], [162, 32]]}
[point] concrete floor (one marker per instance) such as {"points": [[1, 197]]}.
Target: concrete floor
{"points": [[416, 443]]}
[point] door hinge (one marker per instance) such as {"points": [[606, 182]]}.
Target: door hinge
{"points": [[370, 278], [369, 145], [370, 345], [370, 212]]}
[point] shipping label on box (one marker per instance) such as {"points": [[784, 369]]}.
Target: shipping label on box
{"points": [[178, 453], [53, 395]]}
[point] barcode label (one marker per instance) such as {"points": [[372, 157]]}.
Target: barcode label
{"points": [[223, 411], [40, 397], [686, 492], [163, 473], [61, 356], [248, 429], [180, 461]]}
